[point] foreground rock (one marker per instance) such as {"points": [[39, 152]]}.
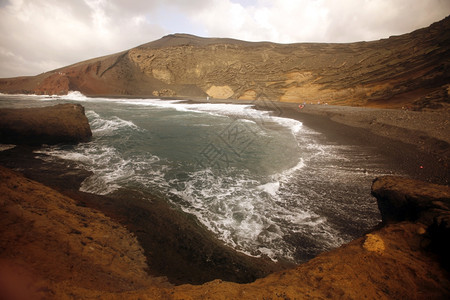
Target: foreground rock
{"points": [[401, 199], [52, 248], [401, 71], [63, 123]]}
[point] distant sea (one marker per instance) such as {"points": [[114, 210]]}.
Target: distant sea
{"points": [[263, 184]]}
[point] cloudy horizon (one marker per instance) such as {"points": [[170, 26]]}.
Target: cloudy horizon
{"points": [[41, 35]]}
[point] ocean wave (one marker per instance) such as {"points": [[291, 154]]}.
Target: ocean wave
{"points": [[4, 147], [110, 170], [76, 96], [273, 208], [104, 127], [249, 214], [246, 112]]}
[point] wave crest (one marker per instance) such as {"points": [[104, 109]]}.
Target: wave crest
{"points": [[106, 127]]}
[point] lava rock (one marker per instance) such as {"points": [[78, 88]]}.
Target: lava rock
{"points": [[402, 199], [62, 123]]}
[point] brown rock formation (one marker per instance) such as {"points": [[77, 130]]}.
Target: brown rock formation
{"points": [[411, 69], [401, 199], [48, 243], [63, 123], [54, 248]]}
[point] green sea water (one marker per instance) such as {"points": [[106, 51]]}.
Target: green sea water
{"points": [[264, 184]]}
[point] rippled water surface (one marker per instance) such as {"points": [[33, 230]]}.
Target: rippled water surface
{"points": [[263, 184]]}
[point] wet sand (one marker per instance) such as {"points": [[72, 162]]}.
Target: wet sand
{"points": [[178, 247], [416, 144]]}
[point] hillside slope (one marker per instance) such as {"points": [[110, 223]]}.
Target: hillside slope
{"points": [[407, 70]]}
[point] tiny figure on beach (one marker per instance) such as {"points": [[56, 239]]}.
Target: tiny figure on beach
{"points": [[300, 106]]}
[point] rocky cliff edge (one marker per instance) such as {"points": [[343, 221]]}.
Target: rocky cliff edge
{"points": [[51, 247]]}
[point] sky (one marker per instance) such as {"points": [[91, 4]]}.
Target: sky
{"points": [[41, 35]]}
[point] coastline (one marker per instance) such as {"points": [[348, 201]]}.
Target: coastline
{"points": [[419, 153], [183, 231], [175, 244], [416, 151]]}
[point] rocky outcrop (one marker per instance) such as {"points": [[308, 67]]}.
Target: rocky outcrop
{"points": [[49, 243], [402, 199], [55, 248], [410, 70], [63, 123]]}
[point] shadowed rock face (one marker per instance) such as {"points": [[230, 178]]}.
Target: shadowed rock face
{"points": [[63, 123], [402, 199], [411, 69]]}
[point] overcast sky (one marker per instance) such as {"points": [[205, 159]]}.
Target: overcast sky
{"points": [[41, 35]]}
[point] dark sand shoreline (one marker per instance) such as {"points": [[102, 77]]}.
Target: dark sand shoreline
{"points": [[415, 154], [417, 151], [175, 244]]}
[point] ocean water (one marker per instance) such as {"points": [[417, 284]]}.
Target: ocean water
{"points": [[263, 184]]}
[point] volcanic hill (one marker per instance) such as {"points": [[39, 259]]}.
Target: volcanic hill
{"points": [[407, 70]]}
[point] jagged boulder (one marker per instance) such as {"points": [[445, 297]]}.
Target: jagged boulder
{"points": [[401, 199], [62, 123]]}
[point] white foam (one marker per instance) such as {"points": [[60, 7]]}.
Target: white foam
{"points": [[106, 163], [104, 127], [294, 125], [110, 170], [289, 172], [153, 102], [279, 179], [250, 212], [244, 212], [4, 147], [244, 111], [271, 188], [76, 96]]}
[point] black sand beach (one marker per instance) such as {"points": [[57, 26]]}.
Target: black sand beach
{"points": [[416, 142], [178, 247], [417, 150]]}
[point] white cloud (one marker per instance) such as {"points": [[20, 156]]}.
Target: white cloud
{"points": [[290, 21], [48, 34], [40, 35]]}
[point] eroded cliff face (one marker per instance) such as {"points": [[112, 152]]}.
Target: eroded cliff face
{"points": [[411, 69]]}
